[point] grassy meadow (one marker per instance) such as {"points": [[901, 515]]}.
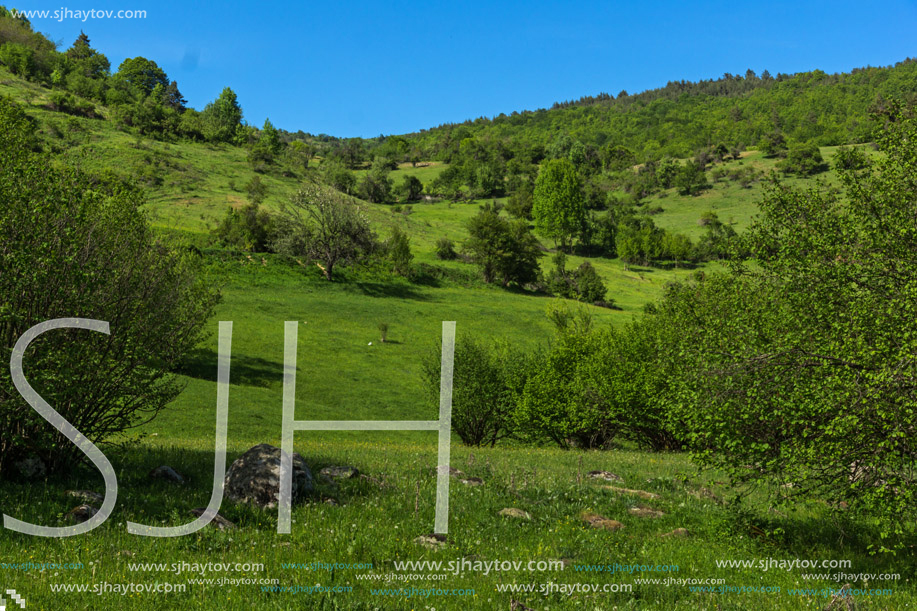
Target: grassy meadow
{"points": [[346, 372]]}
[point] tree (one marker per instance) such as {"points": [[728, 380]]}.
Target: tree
{"points": [[222, 117], [504, 250], [72, 244], [398, 249], [718, 238], [250, 228], [583, 284], [691, 180], [558, 204], [410, 189], [173, 98], [376, 186], [142, 73], [773, 145], [90, 63], [336, 175], [267, 147], [324, 226], [803, 160]]}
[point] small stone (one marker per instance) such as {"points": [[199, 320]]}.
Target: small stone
{"points": [[597, 521], [677, 533], [472, 481], [435, 541], [340, 472], [645, 512], [87, 496], [608, 476], [512, 512], [330, 501], [81, 513], [218, 521], [167, 473], [641, 493], [705, 493]]}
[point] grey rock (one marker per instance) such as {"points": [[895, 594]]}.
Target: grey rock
{"points": [[513, 512], [608, 476], [340, 472], [254, 477], [434, 541], [81, 513], [87, 496], [218, 521]]}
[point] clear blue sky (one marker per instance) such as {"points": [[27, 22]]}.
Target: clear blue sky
{"points": [[363, 69]]}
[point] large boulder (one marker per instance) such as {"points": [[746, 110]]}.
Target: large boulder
{"points": [[254, 477]]}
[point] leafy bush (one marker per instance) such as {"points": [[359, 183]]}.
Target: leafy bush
{"points": [[558, 401], [485, 385], [597, 384], [249, 228], [445, 249], [70, 104], [691, 179], [803, 160], [337, 176], [398, 251], [410, 189], [19, 59], [583, 284], [78, 245], [504, 250]]}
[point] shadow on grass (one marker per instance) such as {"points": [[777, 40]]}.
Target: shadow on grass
{"points": [[201, 364], [390, 289]]}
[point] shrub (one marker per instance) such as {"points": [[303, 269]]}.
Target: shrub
{"points": [[691, 179], [803, 160], [504, 250], [249, 228], [558, 402], [583, 284], [398, 251], [445, 249], [485, 385], [103, 263]]}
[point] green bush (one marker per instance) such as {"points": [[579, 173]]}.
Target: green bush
{"points": [[445, 249], [249, 228], [19, 59], [803, 160], [486, 383], [79, 245]]}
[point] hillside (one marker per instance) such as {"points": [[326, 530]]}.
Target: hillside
{"points": [[612, 413]]}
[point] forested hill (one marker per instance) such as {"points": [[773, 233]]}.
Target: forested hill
{"points": [[682, 117]]}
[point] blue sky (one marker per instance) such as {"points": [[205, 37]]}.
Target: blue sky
{"points": [[364, 69]]}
